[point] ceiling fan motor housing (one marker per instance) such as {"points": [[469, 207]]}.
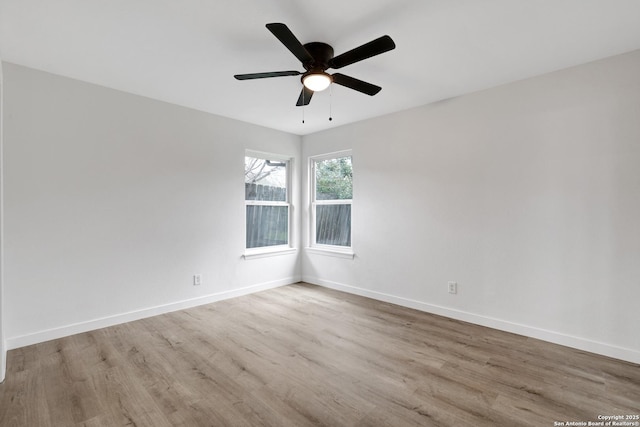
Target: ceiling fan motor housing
{"points": [[321, 53]]}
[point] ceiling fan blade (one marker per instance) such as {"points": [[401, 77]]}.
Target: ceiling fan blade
{"points": [[356, 84], [305, 96], [375, 47], [266, 75], [286, 37]]}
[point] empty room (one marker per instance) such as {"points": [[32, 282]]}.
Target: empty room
{"points": [[281, 213]]}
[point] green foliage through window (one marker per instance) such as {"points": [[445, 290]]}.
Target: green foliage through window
{"points": [[334, 179]]}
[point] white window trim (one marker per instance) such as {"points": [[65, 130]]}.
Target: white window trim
{"points": [[268, 251], [318, 248], [333, 251]]}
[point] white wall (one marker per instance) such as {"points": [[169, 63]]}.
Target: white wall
{"points": [[113, 201], [527, 195], [3, 345]]}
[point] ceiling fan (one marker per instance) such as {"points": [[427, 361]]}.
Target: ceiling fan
{"points": [[317, 57]]}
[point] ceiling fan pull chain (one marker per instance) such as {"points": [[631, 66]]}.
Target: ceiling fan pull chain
{"points": [[303, 106], [330, 99]]}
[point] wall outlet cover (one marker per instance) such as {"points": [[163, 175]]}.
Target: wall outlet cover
{"points": [[453, 287]]}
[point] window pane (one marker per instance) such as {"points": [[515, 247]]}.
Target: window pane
{"points": [[333, 225], [265, 179], [267, 226], [334, 179]]}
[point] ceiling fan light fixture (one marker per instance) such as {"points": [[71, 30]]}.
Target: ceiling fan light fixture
{"points": [[316, 81], [316, 58]]}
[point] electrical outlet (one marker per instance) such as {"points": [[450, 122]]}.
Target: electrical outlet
{"points": [[453, 287], [197, 279]]}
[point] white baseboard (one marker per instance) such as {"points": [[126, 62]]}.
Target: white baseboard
{"points": [[3, 361], [76, 328], [604, 349]]}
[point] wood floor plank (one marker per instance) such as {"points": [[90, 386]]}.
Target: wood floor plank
{"points": [[68, 388], [125, 399], [302, 355]]}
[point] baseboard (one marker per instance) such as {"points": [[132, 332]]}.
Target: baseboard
{"points": [[3, 361], [76, 328], [579, 343]]}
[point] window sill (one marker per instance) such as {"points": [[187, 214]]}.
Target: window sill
{"points": [[263, 253], [334, 252]]}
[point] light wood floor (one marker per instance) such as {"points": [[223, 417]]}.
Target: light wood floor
{"points": [[303, 355]]}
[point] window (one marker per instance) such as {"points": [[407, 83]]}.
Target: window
{"points": [[266, 185], [331, 194]]}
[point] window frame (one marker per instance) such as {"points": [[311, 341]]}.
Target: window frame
{"points": [[314, 246], [262, 251]]}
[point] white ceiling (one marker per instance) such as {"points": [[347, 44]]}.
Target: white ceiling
{"points": [[187, 51]]}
